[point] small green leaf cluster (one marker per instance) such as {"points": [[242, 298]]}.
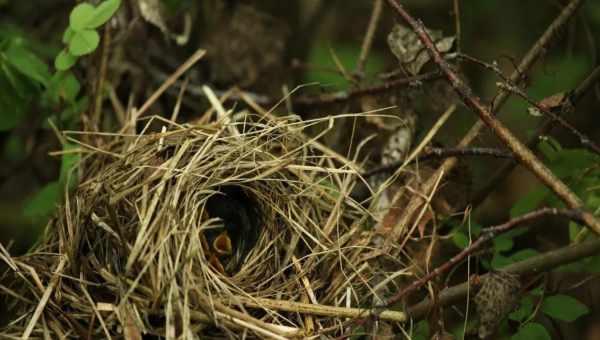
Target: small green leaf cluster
{"points": [[559, 307], [503, 252], [81, 37], [26, 81], [577, 167]]}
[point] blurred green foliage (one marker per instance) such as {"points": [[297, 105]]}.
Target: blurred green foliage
{"points": [[326, 71], [29, 90]]}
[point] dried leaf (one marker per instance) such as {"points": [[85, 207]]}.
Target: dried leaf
{"points": [[554, 101], [409, 50], [427, 217], [153, 12], [399, 142]]}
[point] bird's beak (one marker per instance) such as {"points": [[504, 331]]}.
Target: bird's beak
{"points": [[222, 244]]}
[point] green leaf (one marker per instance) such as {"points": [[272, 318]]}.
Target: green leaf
{"points": [[69, 160], [592, 264], [44, 202], [522, 255], [64, 60], [70, 115], [69, 87], [329, 186], [532, 331], [524, 311], [537, 291], [486, 264], [549, 147], [27, 63], [68, 35], [502, 243], [499, 261], [14, 148], [15, 80], [563, 307], [81, 15], [562, 74], [574, 230], [13, 108], [103, 13], [529, 202], [347, 53], [460, 239], [63, 85], [475, 229], [515, 233], [84, 42], [569, 162], [420, 331]]}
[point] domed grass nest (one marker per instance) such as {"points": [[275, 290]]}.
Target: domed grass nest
{"points": [[130, 253]]}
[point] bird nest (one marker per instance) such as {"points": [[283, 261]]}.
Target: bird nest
{"points": [[219, 230]]}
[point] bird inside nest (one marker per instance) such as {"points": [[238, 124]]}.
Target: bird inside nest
{"points": [[230, 243]]}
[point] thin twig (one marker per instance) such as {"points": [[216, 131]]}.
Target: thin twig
{"points": [[585, 85], [368, 40], [525, 156], [583, 139], [492, 67], [171, 80], [457, 25], [432, 153], [343, 96], [486, 236]]}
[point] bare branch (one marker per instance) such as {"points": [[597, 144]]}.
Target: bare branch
{"points": [[368, 40], [347, 95], [431, 153]]}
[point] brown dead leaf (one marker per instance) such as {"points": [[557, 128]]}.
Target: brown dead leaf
{"points": [[409, 50]]}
